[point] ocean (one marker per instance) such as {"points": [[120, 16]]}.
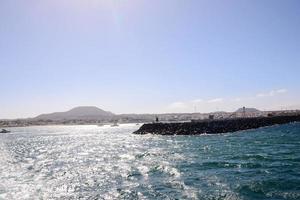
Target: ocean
{"points": [[92, 162]]}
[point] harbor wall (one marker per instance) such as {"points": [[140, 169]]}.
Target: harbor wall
{"points": [[214, 126]]}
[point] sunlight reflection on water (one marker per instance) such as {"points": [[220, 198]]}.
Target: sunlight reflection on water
{"points": [[91, 162]]}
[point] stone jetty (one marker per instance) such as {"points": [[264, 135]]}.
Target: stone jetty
{"points": [[215, 126]]}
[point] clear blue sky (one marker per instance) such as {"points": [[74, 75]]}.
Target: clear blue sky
{"points": [[138, 56]]}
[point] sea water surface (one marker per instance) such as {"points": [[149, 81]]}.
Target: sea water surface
{"points": [[91, 162]]}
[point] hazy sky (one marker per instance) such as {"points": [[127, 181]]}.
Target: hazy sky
{"points": [[154, 56]]}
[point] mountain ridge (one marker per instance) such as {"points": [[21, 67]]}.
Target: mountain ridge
{"points": [[80, 112]]}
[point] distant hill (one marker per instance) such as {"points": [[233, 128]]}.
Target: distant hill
{"points": [[83, 112], [248, 110]]}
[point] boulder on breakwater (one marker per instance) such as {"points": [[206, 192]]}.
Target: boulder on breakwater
{"points": [[215, 126]]}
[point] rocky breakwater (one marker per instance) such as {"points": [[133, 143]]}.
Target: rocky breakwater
{"points": [[215, 126]]}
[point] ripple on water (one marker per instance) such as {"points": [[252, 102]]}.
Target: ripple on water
{"points": [[90, 162]]}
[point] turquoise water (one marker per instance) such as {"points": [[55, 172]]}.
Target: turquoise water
{"points": [[90, 162]]}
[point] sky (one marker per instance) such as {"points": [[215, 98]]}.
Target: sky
{"points": [[142, 56]]}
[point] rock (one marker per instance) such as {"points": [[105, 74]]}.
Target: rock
{"points": [[215, 126]]}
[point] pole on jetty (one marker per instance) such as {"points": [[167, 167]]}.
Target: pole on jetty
{"points": [[244, 112]]}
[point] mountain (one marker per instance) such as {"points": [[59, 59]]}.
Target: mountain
{"points": [[83, 112], [247, 110]]}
